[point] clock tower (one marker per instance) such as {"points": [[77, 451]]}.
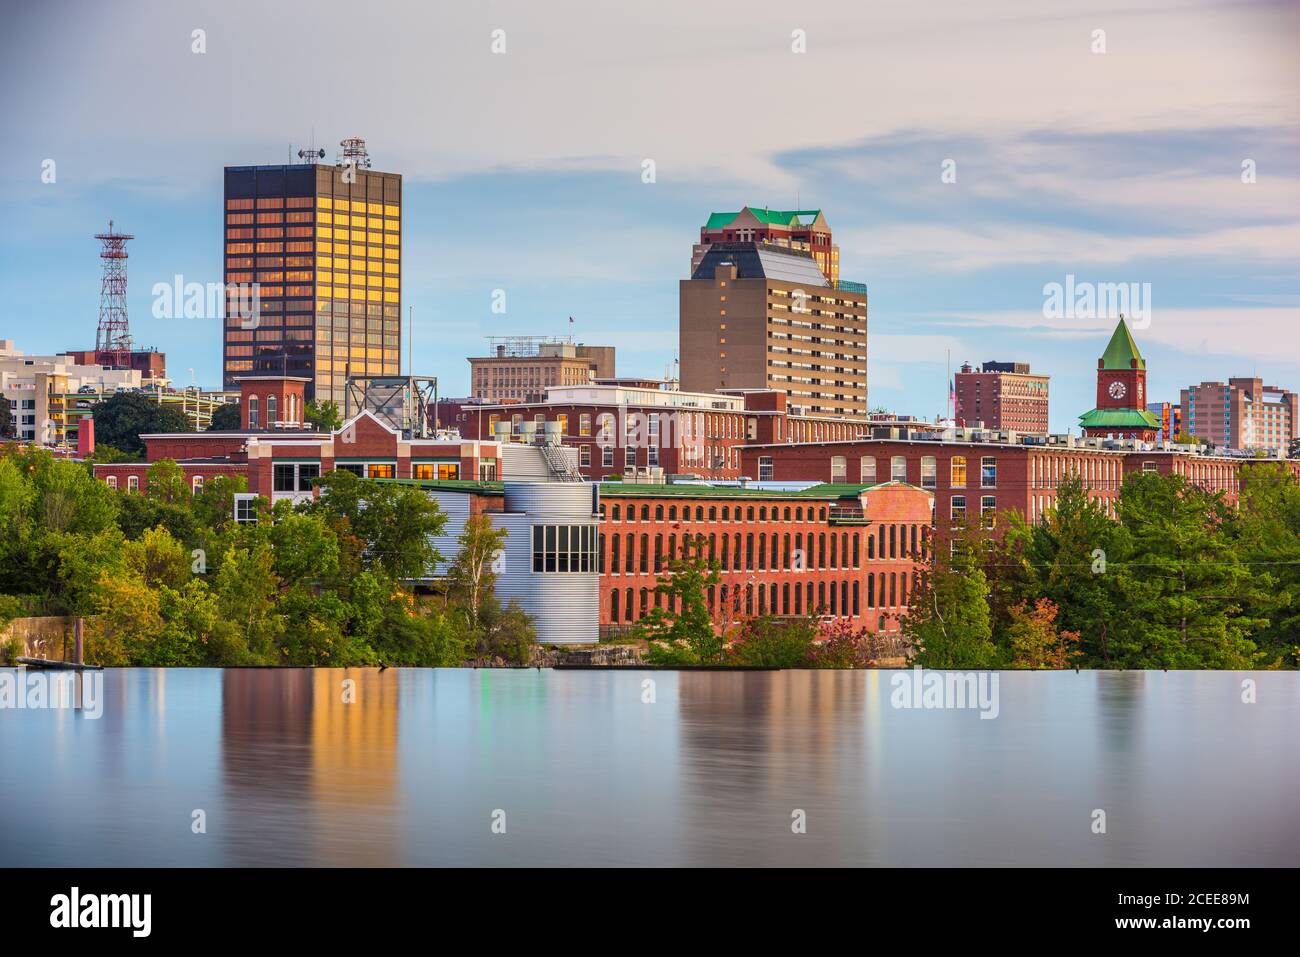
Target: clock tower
{"points": [[1121, 411]]}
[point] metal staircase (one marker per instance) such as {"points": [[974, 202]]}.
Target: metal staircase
{"points": [[559, 464]]}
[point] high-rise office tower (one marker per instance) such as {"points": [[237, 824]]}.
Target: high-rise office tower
{"points": [[323, 244]]}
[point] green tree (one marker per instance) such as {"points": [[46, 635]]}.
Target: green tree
{"points": [[158, 559], [685, 635], [396, 522], [165, 482], [472, 575], [775, 643], [247, 589], [504, 631], [1266, 536], [948, 621], [1034, 639], [123, 417], [214, 504], [323, 416], [6, 418], [225, 418]]}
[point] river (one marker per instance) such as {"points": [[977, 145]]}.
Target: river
{"points": [[513, 767]]}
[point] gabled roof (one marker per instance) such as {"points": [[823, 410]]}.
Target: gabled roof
{"points": [[1122, 350], [771, 217]]}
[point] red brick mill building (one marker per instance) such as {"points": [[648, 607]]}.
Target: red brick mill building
{"points": [[840, 551]]}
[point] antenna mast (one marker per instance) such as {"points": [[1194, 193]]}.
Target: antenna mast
{"points": [[113, 335]]}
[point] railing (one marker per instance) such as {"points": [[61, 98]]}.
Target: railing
{"points": [[559, 464]]}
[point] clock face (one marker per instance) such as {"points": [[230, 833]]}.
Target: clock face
{"points": [[1117, 390]]}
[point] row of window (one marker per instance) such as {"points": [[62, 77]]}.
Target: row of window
{"points": [[837, 599], [788, 552], [728, 513]]}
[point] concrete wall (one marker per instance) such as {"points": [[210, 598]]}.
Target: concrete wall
{"points": [[42, 637]]}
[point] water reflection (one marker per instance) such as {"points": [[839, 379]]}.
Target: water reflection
{"points": [[409, 767]]}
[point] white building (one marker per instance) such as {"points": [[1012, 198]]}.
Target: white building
{"points": [[43, 391]]}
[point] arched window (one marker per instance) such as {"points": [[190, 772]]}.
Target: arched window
{"points": [[271, 405], [252, 412], [196, 484], [132, 483]]}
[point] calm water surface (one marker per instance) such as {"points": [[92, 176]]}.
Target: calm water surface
{"points": [[710, 773]]}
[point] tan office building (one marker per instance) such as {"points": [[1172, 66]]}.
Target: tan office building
{"points": [[522, 368], [762, 316]]}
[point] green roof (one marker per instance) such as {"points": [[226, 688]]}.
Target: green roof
{"points": [[451, 485], [1122, 350], [772, 217], [1119, 419]]}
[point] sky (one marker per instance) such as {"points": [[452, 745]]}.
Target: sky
{"points": [[966, 157]]}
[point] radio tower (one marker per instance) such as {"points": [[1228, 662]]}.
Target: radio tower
{"points": [[113, 337]]}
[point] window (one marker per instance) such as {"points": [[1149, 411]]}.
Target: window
{"points": [[252, 412], [988, 472], [988, 508], [308, 472], [839, 468], [133, 483], [607, 456], [898, 468], [629, 457], [282, 477], [270, 410], [929, 471], [958, 469], [245, 507], [111, 481], [867, 470], [765, 468], [584, 424], [442, 471], [584, 456], [383, 470], [958, 511], [354, 467], [564, 548], [1149, 468]]}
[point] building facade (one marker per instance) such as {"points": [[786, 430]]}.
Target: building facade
{"points": [[760, 316], [1169, 415], [1242, 414], [620, 430], [522, 368], [846, 551], [1002, 395], [322, 245], [977, 475]]}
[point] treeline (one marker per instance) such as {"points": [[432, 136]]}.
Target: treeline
{"points": [[1179, 578], [168, 578]]}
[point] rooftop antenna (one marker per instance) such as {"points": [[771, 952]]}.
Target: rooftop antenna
{"points": [[113, 335], [353, 153]]}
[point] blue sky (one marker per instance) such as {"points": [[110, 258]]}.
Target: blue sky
{"points": [[523, 169]]}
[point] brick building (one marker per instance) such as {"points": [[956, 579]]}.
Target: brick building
{"points": [[843, 551], [1002, 395], [619, 428], [280, 458], [976, 474], [521, 368]]}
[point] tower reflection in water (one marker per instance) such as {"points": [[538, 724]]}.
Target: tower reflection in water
{"points": [[309, 764]]}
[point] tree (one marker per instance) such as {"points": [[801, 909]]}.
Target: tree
{"points": [[6, 418], [472, 575], [841, 644], [225, 418], [397, 522], [158, 559], [1266, 535], [247, 588], [948, 620], [214, 504], [1034, 640], [504, 631], [323, 416], [123, 417], [164, 481], [686, 635], [770, 642]]}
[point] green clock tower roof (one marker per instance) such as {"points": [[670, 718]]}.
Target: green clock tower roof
{"points": [[1121, 350], [1119, 419]]}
